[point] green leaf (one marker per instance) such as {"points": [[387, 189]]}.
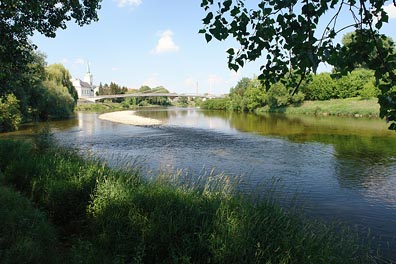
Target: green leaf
{"points": [[233, 66], [231, 51], [208, 37], [208, 18]]}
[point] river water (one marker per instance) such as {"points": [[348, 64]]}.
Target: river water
{"points": [[339, 168]]}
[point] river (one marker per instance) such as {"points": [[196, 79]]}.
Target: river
{"points": [[339, 168]]}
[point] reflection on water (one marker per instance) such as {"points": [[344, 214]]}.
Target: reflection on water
{"points": [[341, 168]]}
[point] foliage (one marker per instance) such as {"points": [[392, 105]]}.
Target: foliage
{"points": [[286, 34], [111, 89], [55, 102], [59, 74], [21, 19], [321, 87], [278, 95], [215, 104], [10, 115], [247, 95], [350, 85], [107, 216], [21, 69], [241, 87], [361, 50], [183, 101], [26, 235], [43, 139]]}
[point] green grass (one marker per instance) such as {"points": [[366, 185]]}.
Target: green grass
{"points": [[336, 107], [26, 236], [103, 215]]}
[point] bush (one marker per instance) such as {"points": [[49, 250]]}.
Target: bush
{"points": [[26, 236], [10, 115], [215, 104], [298, 98], [351, 85], [278, 95], [369, 90], [320, 88]]}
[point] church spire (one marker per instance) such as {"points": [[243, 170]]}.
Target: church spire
{"points": [[88, 68], [88, 76]]}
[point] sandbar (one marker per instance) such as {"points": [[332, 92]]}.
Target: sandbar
{"points": [[130, 118]]}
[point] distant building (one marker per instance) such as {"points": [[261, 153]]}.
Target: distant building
{"points": [[85, 88]]}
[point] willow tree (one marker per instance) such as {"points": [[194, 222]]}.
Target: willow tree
{"points": [[294, 37]]}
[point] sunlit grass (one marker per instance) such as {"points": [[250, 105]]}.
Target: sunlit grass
{"points": [[103, 215], [336, 107]]}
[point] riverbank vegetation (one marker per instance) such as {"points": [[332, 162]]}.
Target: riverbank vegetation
{"points": [[291, 45], [39, 94], [323, 94], [59, 208], [29, 89]]}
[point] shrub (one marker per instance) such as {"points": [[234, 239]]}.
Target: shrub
{"points": [[350, 85], [278, 95], [369, 90], [10, 115], [298, 98], [215, 104], [320, 88]]}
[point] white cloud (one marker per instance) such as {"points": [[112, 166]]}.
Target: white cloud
{"points": [[131, 3], [391, 10], [165, 43]]}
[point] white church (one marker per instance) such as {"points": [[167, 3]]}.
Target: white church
{"points": [[85, 88]]}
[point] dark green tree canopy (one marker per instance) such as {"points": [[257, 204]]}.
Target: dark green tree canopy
{"points": [[286, 35], [360, 50]]}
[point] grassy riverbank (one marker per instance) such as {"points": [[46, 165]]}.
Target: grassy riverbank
{"points": [[56, 207], [356, 107]]}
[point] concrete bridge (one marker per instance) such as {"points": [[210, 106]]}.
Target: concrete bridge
{"points": [[170, 95]]}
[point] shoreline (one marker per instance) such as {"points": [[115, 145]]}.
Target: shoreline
{"points": [[129, 118]]}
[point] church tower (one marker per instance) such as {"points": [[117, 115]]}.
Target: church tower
{"points": [[88, 78]]}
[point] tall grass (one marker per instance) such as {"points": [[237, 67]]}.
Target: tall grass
{"points": [[25, 234], [103, 215]]}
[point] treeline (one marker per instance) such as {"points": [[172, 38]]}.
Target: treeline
{"points": [[149, 100], [352, 76], [110, 89], [34, 92], [249, 94]]}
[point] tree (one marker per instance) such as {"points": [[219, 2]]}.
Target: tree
{"points": [[320, 88], [59, 74], [241, 86], [360, 50], [352, 84], [10, 116], [285, 33], [20, 19]]}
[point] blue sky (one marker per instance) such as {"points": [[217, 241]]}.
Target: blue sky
{"points": [[150, 42]]}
